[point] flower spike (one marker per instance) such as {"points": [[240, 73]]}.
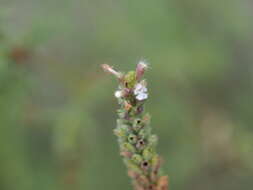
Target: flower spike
{"points": [[136, 141]]}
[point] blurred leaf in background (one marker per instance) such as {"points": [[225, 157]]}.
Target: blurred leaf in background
{"points": [[57, 111]]}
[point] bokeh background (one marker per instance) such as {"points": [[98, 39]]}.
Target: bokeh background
{"points": [[57, 109]]}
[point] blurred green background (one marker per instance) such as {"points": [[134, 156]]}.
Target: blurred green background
{"points": [[57, 109]]}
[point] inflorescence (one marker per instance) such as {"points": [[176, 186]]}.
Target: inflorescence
{"points": [[137, 143]]}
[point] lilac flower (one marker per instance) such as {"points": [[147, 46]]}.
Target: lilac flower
{"points": [[140, 91]]}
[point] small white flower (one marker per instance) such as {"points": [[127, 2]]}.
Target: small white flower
{"points": [[118, 94], [140, 91]]}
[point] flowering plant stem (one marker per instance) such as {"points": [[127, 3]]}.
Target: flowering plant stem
{"points": [[137, 143]]}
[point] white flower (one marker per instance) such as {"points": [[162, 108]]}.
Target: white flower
{"points": [[140, 91], [118, 94]]}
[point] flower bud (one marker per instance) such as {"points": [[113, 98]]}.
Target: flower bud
{"points": [[132, 166], [128, 147], [109, 69], [132, 138], [140, 69], [126, 92], [143, 180], [140, 144], [126, 154], [139, 109], [133, 174], [121, 131], [156, 162], [145, 165], [129, 79], [142, 133], [127, 106], [137, 158], [137, 124], [121, 113], [148, 153]]}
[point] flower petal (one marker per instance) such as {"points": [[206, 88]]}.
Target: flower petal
{"points": [[142, 96], [118, 94]]}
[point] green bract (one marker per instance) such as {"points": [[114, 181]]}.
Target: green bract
{"points": [[130, 79]]}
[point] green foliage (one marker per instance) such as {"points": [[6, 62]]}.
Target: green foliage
{"points": [[56, 107]]}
